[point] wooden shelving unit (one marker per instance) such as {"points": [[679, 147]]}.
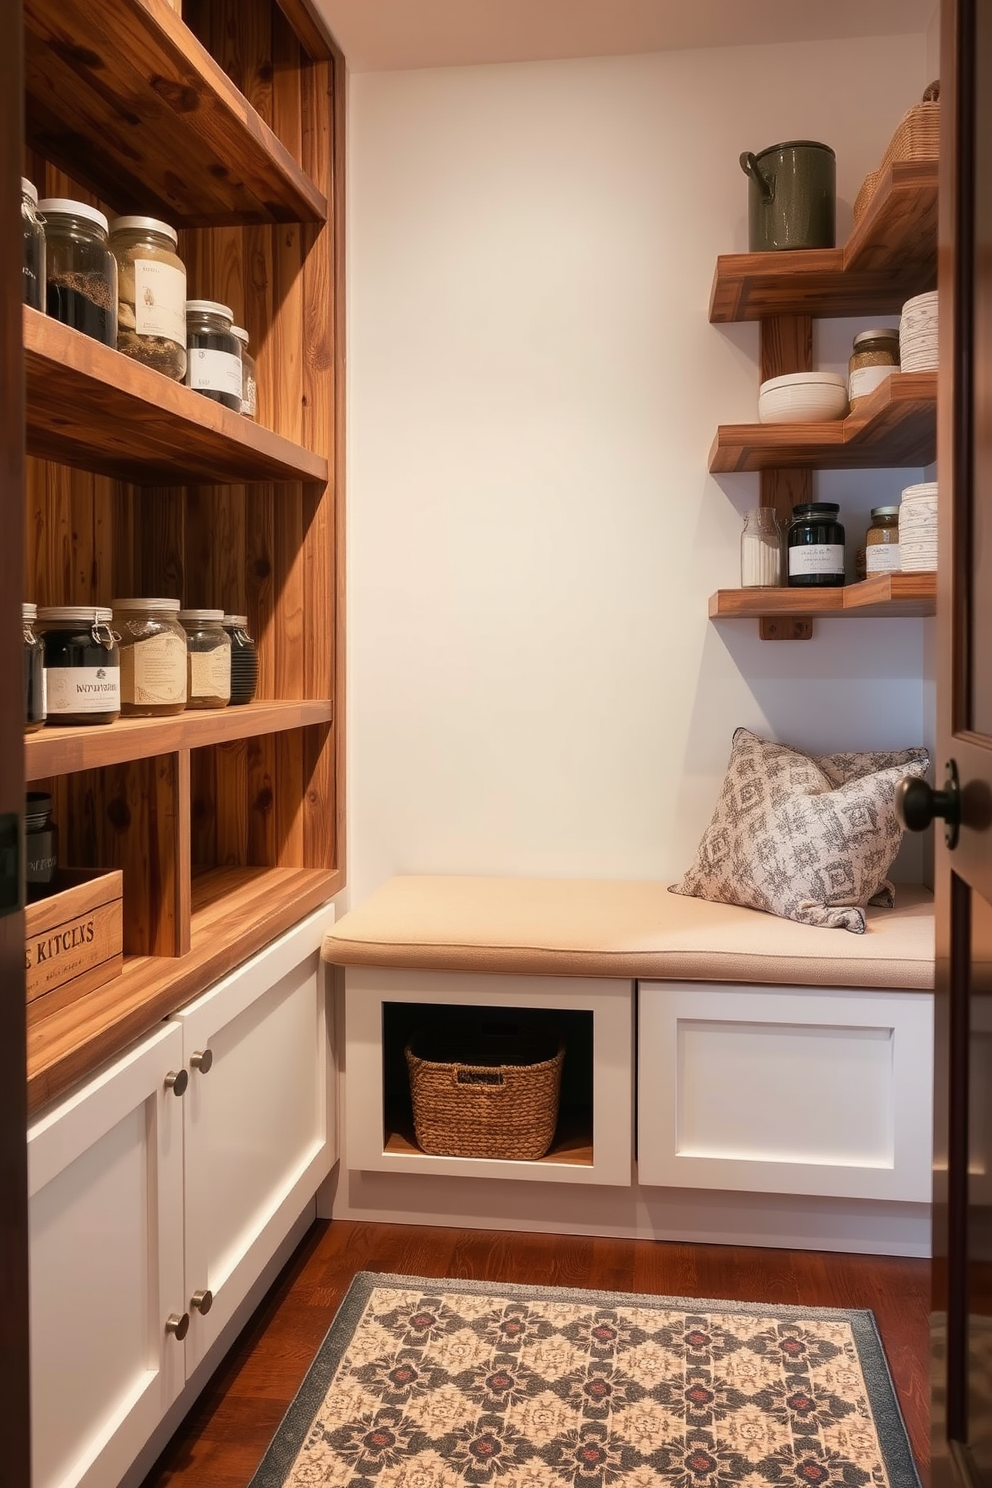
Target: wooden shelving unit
{"points": [[227, 824], [895, 595]]}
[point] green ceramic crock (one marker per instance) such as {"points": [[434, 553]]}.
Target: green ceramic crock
{"points": [[791, 196]]}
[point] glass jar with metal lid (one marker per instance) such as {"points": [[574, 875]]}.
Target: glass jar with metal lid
{"points": [[34, 672], [41, 845], [82, 664], [151, 305], [815, 545], [80, 270], [244, 660], [153, 657], [249, 376], [882, 541], [33, 234], [874, 358], [214, 365], [208, 649]]}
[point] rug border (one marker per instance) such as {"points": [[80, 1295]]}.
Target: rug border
{"points": [[893, 1438]]}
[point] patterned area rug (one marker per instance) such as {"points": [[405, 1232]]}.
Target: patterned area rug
{"points": [[459, 1384]]}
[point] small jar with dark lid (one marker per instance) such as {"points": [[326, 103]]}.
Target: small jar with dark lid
{"points": [[33, 233], [214, 365], [34, 672], [244, 660], [80, 270], [815, 545], [208, 648], [41, 842], [82, 664], [882, 541]]}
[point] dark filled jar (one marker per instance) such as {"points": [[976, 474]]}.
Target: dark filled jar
{"points": [[34, 672], [244, 659], [41, 843], [33, 233], [815, 545], [82, 664], [80, 270], [213, 367]]}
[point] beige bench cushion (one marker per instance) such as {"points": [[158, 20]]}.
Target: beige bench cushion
{"points": [[573, 927]]}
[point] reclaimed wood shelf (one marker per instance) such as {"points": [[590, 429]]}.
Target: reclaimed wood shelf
{"points": [[890, 256], [61, 751], [123, 96], [236, 912], [90, 406], [895, 425], [896, 595]]}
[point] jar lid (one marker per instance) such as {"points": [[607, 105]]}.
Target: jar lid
{"points": [[158, 606], [794, 145], [28, 188], [210, 616], [241, 333], [816, 508], [885, 511], [90, 614], [29, 612], [880, 333], [144, 224], [209, 307], [236, 622], [37, 805], [63, 206]]}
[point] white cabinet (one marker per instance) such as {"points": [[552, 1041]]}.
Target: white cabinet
{"points": [[789, 1090], [142, 1201]]}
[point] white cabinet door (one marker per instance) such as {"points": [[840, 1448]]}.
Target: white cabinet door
{"points": [[259, 1132], [105, 1173]]}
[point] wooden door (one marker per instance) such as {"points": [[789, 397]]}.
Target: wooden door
{"points": [[962, 1302]]}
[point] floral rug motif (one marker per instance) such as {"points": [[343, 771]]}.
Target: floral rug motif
{"points": [[452, 1384]]}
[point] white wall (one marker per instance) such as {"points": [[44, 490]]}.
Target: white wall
{"points": [[534, 687]]}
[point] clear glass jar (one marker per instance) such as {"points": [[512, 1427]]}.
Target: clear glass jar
{"points": [[244, 660], [153, 657], [82, 664], [80, 270], [214, 366], [815, 541], [761, 550], [249, 376], [41, 845], [33, 233], [208, 650], [874, 358], [882, 541], [34, 672], [151, 305]]}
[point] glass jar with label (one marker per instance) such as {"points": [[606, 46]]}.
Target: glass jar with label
{"points": [[82, 664], [244, 660], [80, 270], [34, 672], [153, 657], [208, 650], [151, 294], [214, 364], [33, 234], [815, 545], [41, 845], [761, 549], [249, 376], [882, 541], [874, 358]]}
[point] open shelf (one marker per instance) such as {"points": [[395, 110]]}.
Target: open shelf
{"points": [[236, 911], [90, 406], [890, 256], [121, 94], [60, 751], [572, 1143], [895, 425], [895, 595]]}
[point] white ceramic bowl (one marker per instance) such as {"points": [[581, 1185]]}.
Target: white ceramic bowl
{"points": [[802, 397]]}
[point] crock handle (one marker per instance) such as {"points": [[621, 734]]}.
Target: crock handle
{"points": [[749, 166]]}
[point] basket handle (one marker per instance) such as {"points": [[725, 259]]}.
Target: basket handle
{"points": [[486, 1077]]}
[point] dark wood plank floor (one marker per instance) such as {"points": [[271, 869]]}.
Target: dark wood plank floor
{"points": [[223, 1439]]}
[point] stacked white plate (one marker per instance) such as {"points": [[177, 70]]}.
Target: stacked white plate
{"points": [[918, 528], [918, 334], [802, 397]]}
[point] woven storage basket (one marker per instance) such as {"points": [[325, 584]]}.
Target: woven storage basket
{"points": [[916, 138], [482, 1094]]}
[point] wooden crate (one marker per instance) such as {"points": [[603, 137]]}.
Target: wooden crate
{"points": [[74, 940]]}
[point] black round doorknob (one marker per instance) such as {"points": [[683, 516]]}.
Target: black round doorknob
{"points": [[918, 804]]}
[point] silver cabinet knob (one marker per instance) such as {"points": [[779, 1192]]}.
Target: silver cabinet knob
{"points": [[202, 1301], [177, 1326], [176, 1081], [202, 1060]]}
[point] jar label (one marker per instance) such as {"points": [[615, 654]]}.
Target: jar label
{"points": [[818, 558], [882, 558], [159, 300], [865, 380], [84, 690], [214, 371], [153, 672], [249, 398], [210, 673]]}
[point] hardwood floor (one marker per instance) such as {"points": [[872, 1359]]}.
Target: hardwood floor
{"points": [[223, 1439]]}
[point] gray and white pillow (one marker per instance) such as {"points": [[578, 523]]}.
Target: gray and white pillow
{"points": [[808, 838]]}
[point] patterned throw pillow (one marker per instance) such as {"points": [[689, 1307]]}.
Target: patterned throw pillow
{"points": [[807, 838]]}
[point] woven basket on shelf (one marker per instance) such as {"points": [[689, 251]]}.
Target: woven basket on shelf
{"points": [[485, 1094], [916, 138]]}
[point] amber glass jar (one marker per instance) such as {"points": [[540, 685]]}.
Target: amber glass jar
{"points": [[874, 358], [882, 541], [151, 306], [153, 657]]}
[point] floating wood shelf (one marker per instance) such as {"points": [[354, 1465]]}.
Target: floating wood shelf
{"points": [[236, 911], [895, 425], [60, 751], [890, 256], [90, 406], [121, 94], [894, 595]]}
